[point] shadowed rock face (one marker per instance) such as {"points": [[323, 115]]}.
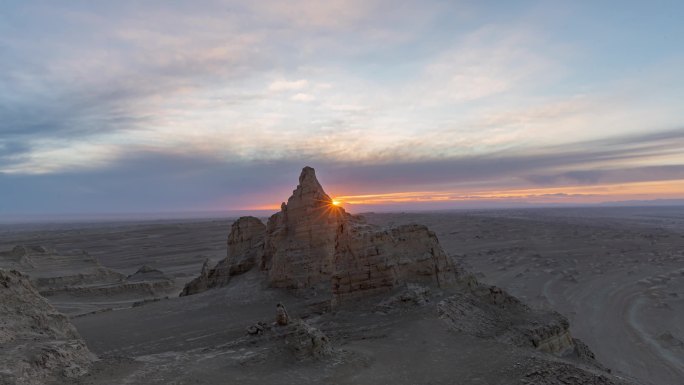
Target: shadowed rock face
{"points": [[369, 260], [245, 245], [489, 312], [312, 243], [39, 344], [201, 283], [245, 250]]}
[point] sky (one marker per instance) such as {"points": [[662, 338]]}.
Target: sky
{"points": [[186, 106]]}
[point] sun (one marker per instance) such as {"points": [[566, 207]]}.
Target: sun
{"points": [[336, 202]]}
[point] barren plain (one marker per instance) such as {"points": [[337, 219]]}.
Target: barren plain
{"points": [[616, 273]]}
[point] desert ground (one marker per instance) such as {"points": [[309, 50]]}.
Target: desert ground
{"points": [[616, 273]]}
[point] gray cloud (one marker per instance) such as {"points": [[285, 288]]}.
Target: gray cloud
{"points": [[73, 73], [592, 161], [155, 182]]}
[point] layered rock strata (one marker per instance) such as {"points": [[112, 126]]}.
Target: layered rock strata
{"points": [[50, 270], [72, 276], [368, 260]]}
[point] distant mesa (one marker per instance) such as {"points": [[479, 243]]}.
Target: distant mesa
{"points": [[75, 274], [313, 243], [146, 273], [51, 271]]}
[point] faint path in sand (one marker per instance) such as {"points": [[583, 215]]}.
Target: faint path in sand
{"points": [[607, 322], [586, 264]]}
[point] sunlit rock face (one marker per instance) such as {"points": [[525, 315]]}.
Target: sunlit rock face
{"points": [[301, 238], [311, 242]]}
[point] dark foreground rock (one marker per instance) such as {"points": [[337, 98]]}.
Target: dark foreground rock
{"points": [[39, 344]]}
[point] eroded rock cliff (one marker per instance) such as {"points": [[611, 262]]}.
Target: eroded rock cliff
{"points": [[245, 251], [370, 260], [39, 344]]}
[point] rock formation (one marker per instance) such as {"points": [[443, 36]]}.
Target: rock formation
{"points": [[281, 315], [489, 312], [146, 273], [200, 283], [245, 250], [369, 260], [50, 270], [306, 341], [39, 344], [245, 245], [311, 242], [301, 239]]}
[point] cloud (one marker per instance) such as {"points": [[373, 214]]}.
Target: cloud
{"points": [[333, 14], [302, 97], [486, 62], [383, 95], [158, 181], [291, 85], [580, 163]]}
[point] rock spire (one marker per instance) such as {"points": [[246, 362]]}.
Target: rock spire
{"points": [[311, 242]]}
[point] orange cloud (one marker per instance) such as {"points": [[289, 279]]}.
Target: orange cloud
{"points": [[570, 194]]}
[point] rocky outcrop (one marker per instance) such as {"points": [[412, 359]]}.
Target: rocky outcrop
{"points": [[94, 277], [282, 318], [413, 295], [545, 372], [298, 337], [245, 251], [146, 273], [198, 284], [489, 312], [301, 239], [39, 344], [311, 242], [369, 260], [306, 341], [245, 245], [141, 288], [51, 270]]}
